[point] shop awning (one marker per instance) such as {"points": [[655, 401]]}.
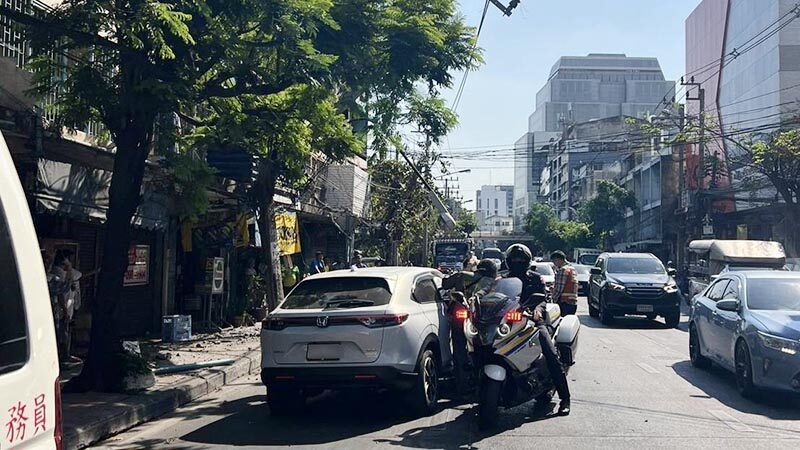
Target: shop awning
{"points": [[82, 193]]}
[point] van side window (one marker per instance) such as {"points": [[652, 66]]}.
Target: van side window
{"points": [[13, 331]]}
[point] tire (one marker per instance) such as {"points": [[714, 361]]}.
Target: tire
{"points": [[544, 399], [425, 393], [695, 351], [593, 312], [488, 403], [744, 371], [285, 401], [673, 319], [605, 318]]}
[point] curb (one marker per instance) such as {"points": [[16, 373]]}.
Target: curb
{"points": [[151, 405]]}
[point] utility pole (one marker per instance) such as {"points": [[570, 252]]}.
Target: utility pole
{"points": [[701, 210]]}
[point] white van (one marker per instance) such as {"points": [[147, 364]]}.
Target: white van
{"points": [[30, 395]]}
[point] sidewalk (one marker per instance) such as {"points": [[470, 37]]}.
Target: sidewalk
{"points": [[91, 417]]}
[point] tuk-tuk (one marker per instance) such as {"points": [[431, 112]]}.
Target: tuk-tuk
{"points": [[710, 258]]}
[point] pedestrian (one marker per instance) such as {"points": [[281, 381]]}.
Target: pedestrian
{"points": [[357, 264], [67, 286], [327, 266], [290, 274], [470, 262], [565, 288], [318, 265]]}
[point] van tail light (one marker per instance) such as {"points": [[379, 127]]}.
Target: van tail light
{"points": [[514, 316], [58, 432], [461, 314], [383, 320]]}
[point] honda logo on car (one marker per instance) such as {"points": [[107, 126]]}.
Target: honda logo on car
{"points": [[322, 321]]}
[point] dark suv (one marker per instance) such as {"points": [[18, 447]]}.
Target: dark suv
{"points": [[633, 284]]}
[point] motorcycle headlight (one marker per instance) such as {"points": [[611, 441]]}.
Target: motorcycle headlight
{"points": [[780, 344], [616, 287]]}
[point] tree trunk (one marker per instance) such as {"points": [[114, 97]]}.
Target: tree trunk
{"points": [[124, 197], [269, 236]]}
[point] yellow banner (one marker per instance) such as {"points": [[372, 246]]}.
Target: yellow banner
{"points": [[288, 233]]}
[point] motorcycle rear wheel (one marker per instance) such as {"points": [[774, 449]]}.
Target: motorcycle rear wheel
{"points": [[489, 403]]}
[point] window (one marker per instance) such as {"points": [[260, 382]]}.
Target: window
{"points": [[326, 292], [425, 291], [732, 291], [496, 204], [716, 290], [13, 331], [773, 294]]}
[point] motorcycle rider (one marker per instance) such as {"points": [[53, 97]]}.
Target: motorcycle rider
{"points": [[467, 283], [518, 260]]}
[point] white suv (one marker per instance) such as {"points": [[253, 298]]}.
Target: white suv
{"points": [[381, 327]]}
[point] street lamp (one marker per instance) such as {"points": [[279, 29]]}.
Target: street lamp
{"points": [[452, 173]]}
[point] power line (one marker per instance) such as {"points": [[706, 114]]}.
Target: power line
{"points": [[457, 99]]}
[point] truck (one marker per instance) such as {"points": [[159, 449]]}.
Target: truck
{"points": [[586, 256], [449, 254], [709, 258]]}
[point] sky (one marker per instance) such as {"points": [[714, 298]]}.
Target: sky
{"points": [[519, 52]]}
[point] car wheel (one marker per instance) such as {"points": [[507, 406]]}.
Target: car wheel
{"points": [[425, 394], [673, 319], [593, 312], [605, 317], [744, 371], [695, 352], [284, 401]]}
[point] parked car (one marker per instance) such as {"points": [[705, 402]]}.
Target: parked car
{"points": [[29, 385], [380, 327], [633, 284], [749, 323], [584, 272]]}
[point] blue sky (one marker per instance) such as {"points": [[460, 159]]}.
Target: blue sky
{"points": [[520, 50]]}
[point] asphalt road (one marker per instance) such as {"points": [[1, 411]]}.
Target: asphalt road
{"points": [[633, 387]]}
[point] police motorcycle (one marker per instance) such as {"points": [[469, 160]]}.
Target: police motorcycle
{"points": [[504, 348]]}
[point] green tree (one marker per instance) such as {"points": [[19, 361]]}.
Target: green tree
{"points": [[467, 223], [540, 222], [574, 235], [277, 78], [606, 211]]}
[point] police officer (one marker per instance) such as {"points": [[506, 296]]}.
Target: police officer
{"points": [[518, 260]]}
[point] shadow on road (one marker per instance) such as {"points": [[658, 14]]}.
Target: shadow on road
{"points": [[720, 384]]}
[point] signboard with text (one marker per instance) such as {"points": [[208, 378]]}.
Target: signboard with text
{"points": [[138, 272]]}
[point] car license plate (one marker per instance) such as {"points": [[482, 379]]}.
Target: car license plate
{"points": [[324, 352], [644, 308]]}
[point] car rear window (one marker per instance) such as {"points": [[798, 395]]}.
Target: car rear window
{"points": [[13, 331], [319, 293]]}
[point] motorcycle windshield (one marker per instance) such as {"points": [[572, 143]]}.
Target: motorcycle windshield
{"points": [[502, 298]]}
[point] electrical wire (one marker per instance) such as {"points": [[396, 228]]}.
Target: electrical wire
{"points": [[460, 92]]}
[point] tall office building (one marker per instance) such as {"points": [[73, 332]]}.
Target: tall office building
{"points": [[748, 94]]}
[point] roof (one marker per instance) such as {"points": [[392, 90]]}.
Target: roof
{"points": [[743, 252], [765, 274], [389, 272], [629, 255]]}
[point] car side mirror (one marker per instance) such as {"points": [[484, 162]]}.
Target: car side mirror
{"points": [[595, 271], [728, 304], [672, 272]]}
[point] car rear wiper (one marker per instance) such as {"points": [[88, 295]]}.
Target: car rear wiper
{"points": [[348, 303]]}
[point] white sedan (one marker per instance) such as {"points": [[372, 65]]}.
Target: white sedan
{"points": [[381, 327]]}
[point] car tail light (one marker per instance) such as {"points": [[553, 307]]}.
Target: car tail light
{"points": [[58, 433], [273, 323], [384, 320], [461, 314], [514, 316]]}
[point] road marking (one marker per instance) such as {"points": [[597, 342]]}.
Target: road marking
{"points": [[647, 368], [732, 422]]}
